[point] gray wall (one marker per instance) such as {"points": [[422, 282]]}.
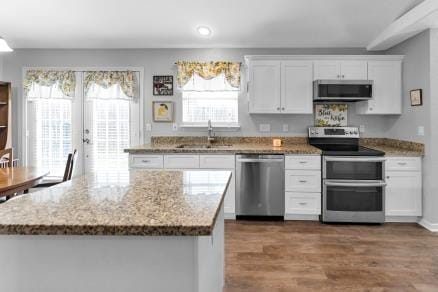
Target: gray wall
{"points": [[161, 61]]}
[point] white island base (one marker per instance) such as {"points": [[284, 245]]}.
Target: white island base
{"points": [[47, 263]]}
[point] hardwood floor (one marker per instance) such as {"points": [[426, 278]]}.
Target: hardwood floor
{"points": [[310, 256]]}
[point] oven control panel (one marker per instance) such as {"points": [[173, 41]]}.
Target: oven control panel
{"points": [[333, 132]]}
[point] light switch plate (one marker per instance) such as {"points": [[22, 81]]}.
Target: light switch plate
{"points": [[148, 127], [362, 128], [420, 131], [174, 127], [265, 127], [285, 128]]}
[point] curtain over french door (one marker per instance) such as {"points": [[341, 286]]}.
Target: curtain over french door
{"points": [[98, 121]]}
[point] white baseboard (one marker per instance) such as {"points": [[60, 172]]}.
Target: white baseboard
{"points": [[429, 225], [301, 217], [402, 219], [230, 216]]}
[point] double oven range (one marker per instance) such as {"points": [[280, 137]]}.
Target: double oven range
{"points": [[353, 178]]}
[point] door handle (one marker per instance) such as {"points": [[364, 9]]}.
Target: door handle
{"points": [[353, 184]]}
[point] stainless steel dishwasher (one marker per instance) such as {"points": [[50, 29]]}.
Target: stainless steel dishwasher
{"points": [[259, 185]]}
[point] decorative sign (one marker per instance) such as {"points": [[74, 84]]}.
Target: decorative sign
{"points": [[331, 115], [416, 97], [162, 111], [163, 85]]}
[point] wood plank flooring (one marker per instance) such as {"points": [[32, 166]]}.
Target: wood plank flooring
{"points": [[310, 256]]}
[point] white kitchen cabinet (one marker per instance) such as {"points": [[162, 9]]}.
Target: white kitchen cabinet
{"points": [[303, 203], [404, 186], [303, 181], [146, 161], [296, 87], [302, 162], [224, 162], [264, 87], [280, 87], [181, 161], [387, 98], [338, 69]]}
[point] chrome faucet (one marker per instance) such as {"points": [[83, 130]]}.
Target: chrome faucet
{"points": [[210, 137]]}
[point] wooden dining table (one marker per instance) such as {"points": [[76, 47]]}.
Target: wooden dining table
{"points": [[17, 179]]}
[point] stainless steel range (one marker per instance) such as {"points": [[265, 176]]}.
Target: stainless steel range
{"points": [[353, 177]]}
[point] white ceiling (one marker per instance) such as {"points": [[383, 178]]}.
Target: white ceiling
{"points": [[172, 23]]}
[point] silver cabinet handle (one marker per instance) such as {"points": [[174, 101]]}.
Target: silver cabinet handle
{"points": [[282, 108], [355, 184], [303, 181], [278, 108], [338, 76], [402, 163], [303, 162], [343, 76], [145, 161], [302, 203]]}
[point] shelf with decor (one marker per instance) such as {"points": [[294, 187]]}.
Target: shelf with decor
{"points": [[5, 115]]}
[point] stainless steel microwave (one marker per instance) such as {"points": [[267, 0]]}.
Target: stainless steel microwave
{"points": [[342, 90]]}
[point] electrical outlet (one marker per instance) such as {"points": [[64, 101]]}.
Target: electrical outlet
{"points": [[362, 128], [148, 127], [285, 128], [420, 131], [174, 127], [265, 127]]}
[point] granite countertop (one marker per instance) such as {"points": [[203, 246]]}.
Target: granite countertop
{"points": [[126, 203], [263, 145]]}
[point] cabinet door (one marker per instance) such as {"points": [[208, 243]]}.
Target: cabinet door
{"points": [[354, 70], [326, 70], [296, 87], [387, 99], [403, 193], [264, 87]]}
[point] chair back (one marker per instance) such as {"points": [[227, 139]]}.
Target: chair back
{"points": [[69, 167], [9, 153]]}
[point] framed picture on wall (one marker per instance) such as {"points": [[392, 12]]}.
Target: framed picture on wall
{"points": [[416, 97], [163, 85], [162, 111]]}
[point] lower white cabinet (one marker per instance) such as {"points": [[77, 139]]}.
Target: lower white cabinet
{"points": [[303, 203], [302, 186], [191, 161], [404, 186]]}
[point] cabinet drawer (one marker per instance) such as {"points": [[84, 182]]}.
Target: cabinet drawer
{"points": [[146, 161], [181, 161], [303, 181], [217, 161], [303, 203], [302, 162], [403, 164]]}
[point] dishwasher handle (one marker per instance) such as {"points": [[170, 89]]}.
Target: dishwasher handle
{"points": [[259, 160]]}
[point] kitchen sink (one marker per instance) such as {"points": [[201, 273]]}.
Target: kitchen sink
{"points": [[202, 146]]}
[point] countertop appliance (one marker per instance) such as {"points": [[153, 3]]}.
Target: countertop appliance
{"points": [[259, 186], [353, 176], [342, 90]]}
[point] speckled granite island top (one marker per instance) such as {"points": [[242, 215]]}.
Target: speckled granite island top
{"points": [[126, 203]]}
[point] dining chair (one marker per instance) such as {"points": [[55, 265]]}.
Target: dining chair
{"points": [[9, 155], [68, 172]]}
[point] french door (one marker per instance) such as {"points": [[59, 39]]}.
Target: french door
{"points": [[99, 128]]}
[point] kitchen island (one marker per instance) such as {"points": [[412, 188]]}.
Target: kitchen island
{"points": [[127, 231]]}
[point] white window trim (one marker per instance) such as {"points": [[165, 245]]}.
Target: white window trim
{"points": [[23, 131]]}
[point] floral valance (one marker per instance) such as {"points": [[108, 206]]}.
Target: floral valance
{"points": [[209, 70], [124, 80], [64, 83]]}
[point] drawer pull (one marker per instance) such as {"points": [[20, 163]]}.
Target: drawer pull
{"points": [[302, 203], [401, 163], [303, 162], [145, 161], [303, 181]]}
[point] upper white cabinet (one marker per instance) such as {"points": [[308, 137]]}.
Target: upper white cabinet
{"points": [[264, 87], [284, 84], [280, 87], [387, 99], [296, 87], [337, 69]]}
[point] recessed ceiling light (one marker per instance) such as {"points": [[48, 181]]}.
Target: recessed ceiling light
{"points": [[204, 31], [4, 47]]}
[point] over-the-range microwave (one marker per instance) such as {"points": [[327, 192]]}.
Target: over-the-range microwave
{"points": [[342, 90]]}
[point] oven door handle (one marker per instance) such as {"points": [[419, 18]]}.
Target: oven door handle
{"points": [[355, 159], [355, 184]]}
